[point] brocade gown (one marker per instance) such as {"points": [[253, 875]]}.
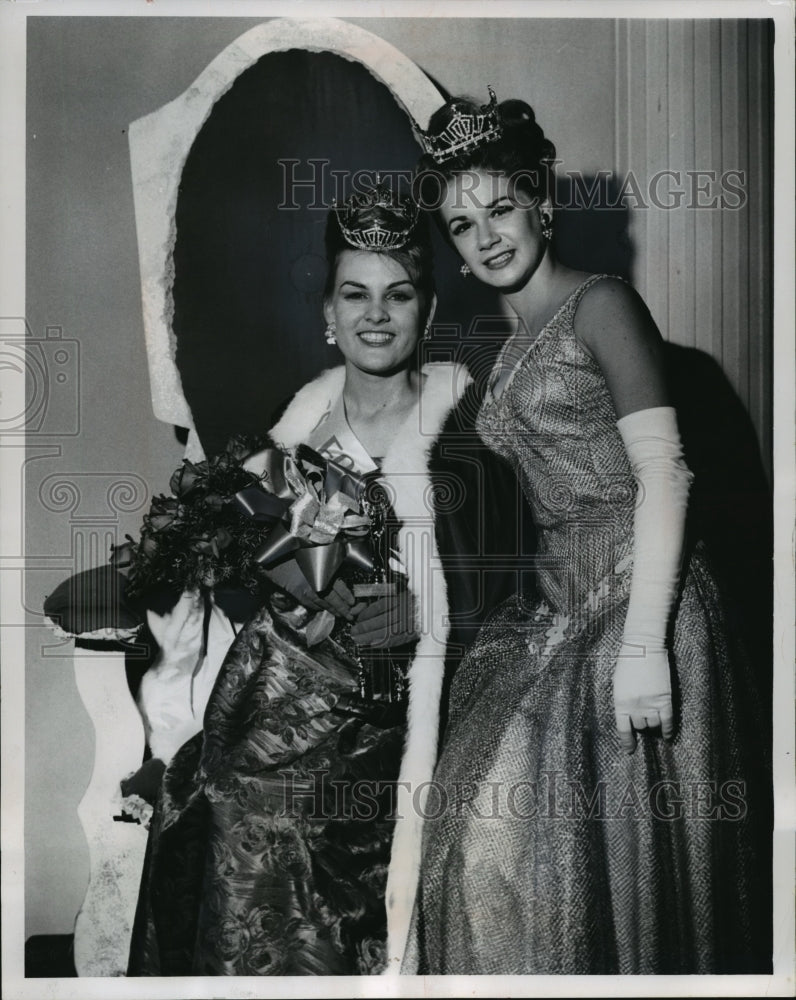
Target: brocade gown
{"points": [[270, 842], [547, 849]]}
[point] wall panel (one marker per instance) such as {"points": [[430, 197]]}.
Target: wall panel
{"points": [[695, 96]]}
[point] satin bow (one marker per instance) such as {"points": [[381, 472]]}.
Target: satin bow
{"points": [[314, 505]]}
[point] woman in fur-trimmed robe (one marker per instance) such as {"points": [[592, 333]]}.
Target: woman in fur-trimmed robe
{"points": [[287, 833]]}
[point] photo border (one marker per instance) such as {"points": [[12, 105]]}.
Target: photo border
{"points": [[13, 19]]}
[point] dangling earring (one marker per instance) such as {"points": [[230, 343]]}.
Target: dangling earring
{"points": [[330, 337], [464, 270], [431, 311], [547, 226]]}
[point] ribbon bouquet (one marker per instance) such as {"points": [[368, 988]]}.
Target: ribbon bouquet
{"points": [[225, 525], [227, 522]]}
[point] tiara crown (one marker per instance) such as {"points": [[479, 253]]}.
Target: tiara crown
{"points": [[464, 131], [375, 235]]}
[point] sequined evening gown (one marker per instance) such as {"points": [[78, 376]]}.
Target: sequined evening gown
{"points": [[548, 849]]}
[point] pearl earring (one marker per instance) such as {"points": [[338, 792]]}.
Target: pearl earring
{"points": [[330, 337], [547, 226], [464, 270]]}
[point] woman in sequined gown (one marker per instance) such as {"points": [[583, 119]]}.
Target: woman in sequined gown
{"points": [[601, 800], [273, 835]]}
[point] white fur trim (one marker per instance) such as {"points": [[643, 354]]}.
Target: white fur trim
{"points": [[405, 470], [306, 408], [109, 634], [406, 475]]}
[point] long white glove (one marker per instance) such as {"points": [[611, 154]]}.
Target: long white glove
{"points": [[175, 690], [642, 678]]}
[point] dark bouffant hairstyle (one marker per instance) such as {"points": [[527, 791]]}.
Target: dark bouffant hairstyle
{"points": [[522, 152], [416, 256]]}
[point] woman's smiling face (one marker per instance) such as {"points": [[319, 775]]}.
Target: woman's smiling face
{"points": [[376, 311], [495, 226]]}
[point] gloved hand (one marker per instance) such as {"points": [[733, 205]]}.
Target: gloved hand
{"points": [[386, 622], [338, 598], [642, 693], [642, 678]]}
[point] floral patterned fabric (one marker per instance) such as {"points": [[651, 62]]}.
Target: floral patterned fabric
{"points": [[269, 846]]}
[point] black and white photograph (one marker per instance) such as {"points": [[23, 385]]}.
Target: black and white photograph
{"points": [[397, 420]]}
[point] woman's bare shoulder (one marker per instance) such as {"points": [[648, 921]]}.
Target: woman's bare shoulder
{"points": [[611, 311], [615, 326]]}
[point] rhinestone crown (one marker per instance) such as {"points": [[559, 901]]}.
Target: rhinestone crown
{"points": [[463, 132], [375, 235]]}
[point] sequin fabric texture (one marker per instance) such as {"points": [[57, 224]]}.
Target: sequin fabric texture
{"points": [[547, 849]]}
